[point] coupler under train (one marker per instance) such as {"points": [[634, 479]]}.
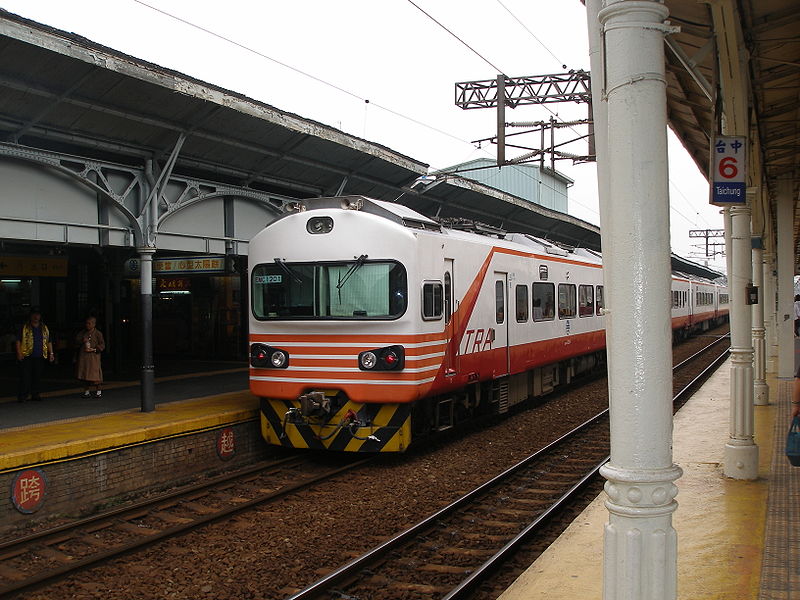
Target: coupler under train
{"points": [[318, 421]]}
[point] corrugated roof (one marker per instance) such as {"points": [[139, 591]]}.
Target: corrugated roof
{"points": [[63, 92], [770, 54]]}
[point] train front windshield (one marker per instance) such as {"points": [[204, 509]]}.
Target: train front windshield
{"points": [[358, 289]]}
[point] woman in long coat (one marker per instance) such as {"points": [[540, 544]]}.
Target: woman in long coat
{"points": [[90, 344]]}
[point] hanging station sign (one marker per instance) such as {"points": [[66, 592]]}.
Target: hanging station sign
{"points": [[33, 266], [184, 265], [729, 164]]}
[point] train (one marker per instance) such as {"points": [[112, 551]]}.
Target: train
{"points": [[373, 327]]}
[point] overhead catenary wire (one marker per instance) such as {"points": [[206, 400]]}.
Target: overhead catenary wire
{"points": [[439, 23], [339, 88], [301, 72], [525, 27]]}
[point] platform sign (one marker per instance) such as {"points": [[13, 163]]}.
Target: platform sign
{"points": [[728, 177], [226, 443], [28, 490], [189, 264], [33, 266]]}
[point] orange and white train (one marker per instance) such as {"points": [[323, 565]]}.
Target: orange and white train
{"points": [[373, 326]]}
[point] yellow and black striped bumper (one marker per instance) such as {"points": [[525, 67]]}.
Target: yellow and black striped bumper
{"points": [[389, 428]]}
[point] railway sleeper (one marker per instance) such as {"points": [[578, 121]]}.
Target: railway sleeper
{"points": [[94, 542], [404, 586], [510, 512], [137, 529], [11, 573], [484, 537], [199, 508], [444, 569], [496, 523], [170, 518], [531, 502], [472, 552], [53, 554]]}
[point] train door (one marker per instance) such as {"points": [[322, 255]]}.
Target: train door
{"points": [[450, 319], [500, 331]]}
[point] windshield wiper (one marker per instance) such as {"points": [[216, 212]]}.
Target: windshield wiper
{"points": [[353, 268], [286, 269]]}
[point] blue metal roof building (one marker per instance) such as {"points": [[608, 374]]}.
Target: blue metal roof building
{"points": [[539, 185]]}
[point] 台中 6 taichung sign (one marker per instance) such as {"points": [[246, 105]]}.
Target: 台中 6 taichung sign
{"points": [[727, 181]]}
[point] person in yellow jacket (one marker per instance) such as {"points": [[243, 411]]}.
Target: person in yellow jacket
{"points": [[34, 349]]}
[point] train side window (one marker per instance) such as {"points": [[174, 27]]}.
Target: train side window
{"points": [[500, 301], [544, 303], [566, 301], [585, 301], [522, 303], [432, 300], [601, 303], [448, 297]]}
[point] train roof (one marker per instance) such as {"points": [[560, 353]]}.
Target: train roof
{"points": [[388, 210], [407, 217]]}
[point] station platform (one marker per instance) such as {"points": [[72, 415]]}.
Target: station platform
{"points": [[86, 454], [63, 424], [737, 540]]}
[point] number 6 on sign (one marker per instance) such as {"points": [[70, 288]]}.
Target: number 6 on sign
{"points": [[729, 160], [728, 168]]}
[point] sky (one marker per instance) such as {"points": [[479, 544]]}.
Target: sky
{"points": [[323, 59]]}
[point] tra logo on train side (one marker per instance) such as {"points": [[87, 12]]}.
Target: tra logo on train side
{"points": [[477, 340]]}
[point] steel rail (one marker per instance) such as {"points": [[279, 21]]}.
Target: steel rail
{"points": [[150, 539], [356, 564], [481, 573], [695, 383], [701, 351], [117, 512]]}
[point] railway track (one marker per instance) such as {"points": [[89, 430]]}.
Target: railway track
{"points": [[453, 552], [41, 558]]}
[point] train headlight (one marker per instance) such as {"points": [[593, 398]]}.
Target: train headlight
{"points": [[279, 359], [319, 225], [266, 357], [367, 360], [390, 358]]}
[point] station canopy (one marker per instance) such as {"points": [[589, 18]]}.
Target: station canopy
{"points": [[759, 43], [62, 92]]}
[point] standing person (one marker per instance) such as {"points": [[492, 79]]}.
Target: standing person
{"points": [[34, 349], [796, 315], [90, 344]]}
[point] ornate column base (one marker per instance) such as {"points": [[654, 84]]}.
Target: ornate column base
{"points": [[741, 453], [760, 393], [640, 544], [760, 388], [741, 461]]}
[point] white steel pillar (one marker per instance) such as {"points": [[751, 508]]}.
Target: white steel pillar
{"points": [[785, 223], [599, 104], [741, 453], [771, 337], [640, 548], [726, 222], [760, 388]]}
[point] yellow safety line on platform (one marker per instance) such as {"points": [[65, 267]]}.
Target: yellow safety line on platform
{"points": [[115, 385], [76, 438], [720, 522]]}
